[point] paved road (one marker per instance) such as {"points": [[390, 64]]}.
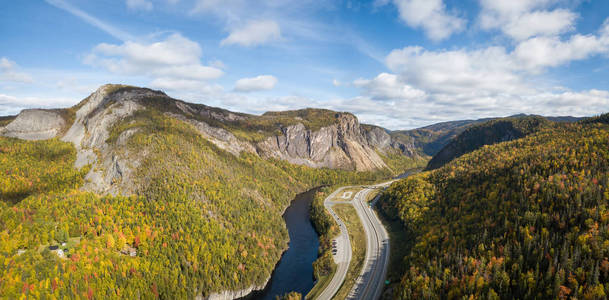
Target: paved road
{"points": [[343, 253], [371, 281], [369, 284]]}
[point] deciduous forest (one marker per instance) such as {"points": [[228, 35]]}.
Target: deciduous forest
{"points": [[203, 219], [522, 219]]}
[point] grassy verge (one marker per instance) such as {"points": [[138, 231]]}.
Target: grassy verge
{"points": [[358, 245]]}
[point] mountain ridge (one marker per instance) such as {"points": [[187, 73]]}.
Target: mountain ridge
{"points": [[312, 137]]}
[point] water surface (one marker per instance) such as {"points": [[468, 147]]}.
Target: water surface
{"points": [[295, 269]]}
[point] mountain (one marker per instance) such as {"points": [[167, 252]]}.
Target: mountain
{"points": [[487, 133], [604, 118], [521, 219], [430, 139], [312, 137], [149, 196]]}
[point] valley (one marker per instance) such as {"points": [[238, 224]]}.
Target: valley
{"points": [[304, 150], [130, 184]]}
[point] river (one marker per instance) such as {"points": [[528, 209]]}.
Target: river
{"points": [[294, 272]]}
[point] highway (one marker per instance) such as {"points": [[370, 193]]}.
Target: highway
{"points": [[370, 282], [343, 253]]}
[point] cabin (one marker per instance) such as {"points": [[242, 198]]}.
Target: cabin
{"points": [[127, 250]]}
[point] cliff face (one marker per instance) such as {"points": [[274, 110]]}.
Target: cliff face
{"points": [[336, 141], [380, 139], [339, 146], [35, 124]]}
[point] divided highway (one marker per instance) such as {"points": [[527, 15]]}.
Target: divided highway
{"points": [[369, 284]]}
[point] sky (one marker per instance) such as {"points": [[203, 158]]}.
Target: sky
{"points": [[400, 64]]}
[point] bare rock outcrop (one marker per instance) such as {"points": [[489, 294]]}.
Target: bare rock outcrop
{"points": [[220, 137], [378, 138], [229, 295], [91, 129], [35, 124], [339, 146]]}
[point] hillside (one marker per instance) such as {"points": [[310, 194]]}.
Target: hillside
{"points": [[519, 220], [429, 140], [487, 133], [149, 196]]}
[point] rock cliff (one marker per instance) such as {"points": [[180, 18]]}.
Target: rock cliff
{"points": [[35, 124], [340, 145], [316, 138], [381, 139]]}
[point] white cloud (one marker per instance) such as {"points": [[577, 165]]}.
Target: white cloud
{"points": [[12, 105], [455, 71], [111, 30], [254, 33], [139, 5], [388, 87], [216, 63], [541, 52], [431, 15], [174, 57], [258, 83], [540, 23], [522, 19], [431, 86], [186, 85], [9, 71]]}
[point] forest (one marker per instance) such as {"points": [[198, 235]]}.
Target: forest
{"points": [[488, 133], [522, 219], [202, 220]]}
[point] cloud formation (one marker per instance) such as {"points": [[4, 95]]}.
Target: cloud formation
{"points": [[12, 105], [522, 19], [139, 5], [111, 30], [258, 83], [174, 59], [453, 84], [253, 33], [9, 71], [389, 87], [430, 15]]}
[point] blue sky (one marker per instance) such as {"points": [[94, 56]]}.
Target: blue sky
{"points": [[396, 63]]}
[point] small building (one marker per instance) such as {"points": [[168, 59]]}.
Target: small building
{"points": [[60, 253], [127, 250]]}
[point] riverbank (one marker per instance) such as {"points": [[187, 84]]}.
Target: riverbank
{"points": [[294, 271]]}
